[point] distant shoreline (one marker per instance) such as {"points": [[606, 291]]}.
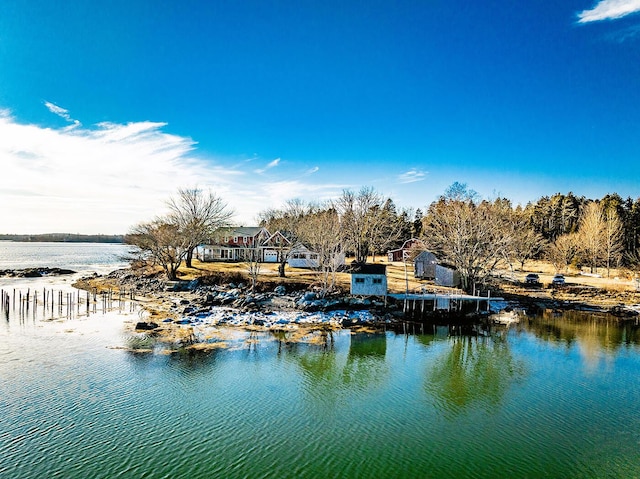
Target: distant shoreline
{"points": [[62, 238]]}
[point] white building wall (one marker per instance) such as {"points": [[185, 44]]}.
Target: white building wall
{"points": [[369, 284]]}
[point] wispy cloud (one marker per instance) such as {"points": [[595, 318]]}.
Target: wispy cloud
{"points": [[412, 176], [62, 113], [102, 179], [313, 170], [271, 164], [281, 191], [274, 163], [609, 10], [108, 177]]}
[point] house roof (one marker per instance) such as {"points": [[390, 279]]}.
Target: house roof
{"points": [[426, 255], [300, 248], [275, 235], [407, 244], [248, 230], [368, 268]]}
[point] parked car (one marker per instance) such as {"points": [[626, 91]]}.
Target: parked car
{"points": [[558, 280], [532, 278]]}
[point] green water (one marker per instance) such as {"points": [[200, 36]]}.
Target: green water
{"points": [[555, 397]]}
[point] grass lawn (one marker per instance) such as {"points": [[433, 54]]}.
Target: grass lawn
{"points": [[398, 278]]}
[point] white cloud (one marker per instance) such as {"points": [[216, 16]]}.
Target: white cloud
{"points": [[62, 113], [274, 163], [108, 177], [412, 176], [95, 180], [271, 164], [609, 10], [313, 170]]}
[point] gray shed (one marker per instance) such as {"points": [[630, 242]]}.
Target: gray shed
{"points": [[447, 275], [424, 265]]}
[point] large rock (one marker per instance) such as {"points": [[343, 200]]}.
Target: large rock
{"points": [[146, 326]]}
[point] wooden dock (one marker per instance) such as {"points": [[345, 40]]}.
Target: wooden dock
{"points": [[424, 304]]}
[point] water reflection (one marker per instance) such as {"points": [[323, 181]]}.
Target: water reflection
{"points": [[473, 371], [366, 360], [608, 331], [333, 371], [597, 337]]}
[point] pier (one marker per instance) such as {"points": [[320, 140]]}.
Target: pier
{"points": [[49, 304], [425, 304]]}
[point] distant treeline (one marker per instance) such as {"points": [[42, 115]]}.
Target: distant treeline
{"points": [[64, 238]]}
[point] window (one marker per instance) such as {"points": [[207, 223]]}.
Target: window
{"points": [[245, 239], [377, 280], [359, 280], [235, 239]]}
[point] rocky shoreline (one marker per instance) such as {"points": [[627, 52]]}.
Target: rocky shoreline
{"points": [[192, 313], [235, 303]]}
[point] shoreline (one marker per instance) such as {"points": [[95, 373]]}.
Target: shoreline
{"points": [[189, 314]]}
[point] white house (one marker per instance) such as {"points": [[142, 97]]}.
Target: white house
{"points": [[302, 257], [275, 248]]}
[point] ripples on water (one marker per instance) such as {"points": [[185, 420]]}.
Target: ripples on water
{"points": [[359, 405], [548, 398], [76, 256]]}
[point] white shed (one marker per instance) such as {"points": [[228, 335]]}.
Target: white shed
{"points": [[369, 279]]}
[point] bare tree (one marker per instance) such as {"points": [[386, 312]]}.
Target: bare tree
{"points": [[198, 215], [387, 227], [562, 251], [592, 233], [163, 242], [251, 255], [472, 237], [613, 238], [287, 221], [320, 231], [358, 219], [526, 244]]}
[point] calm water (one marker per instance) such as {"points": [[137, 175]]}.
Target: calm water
{"points": [[76, 256], [552, 397]]}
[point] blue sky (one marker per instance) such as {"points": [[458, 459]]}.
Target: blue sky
{"points": [[106, 108]]}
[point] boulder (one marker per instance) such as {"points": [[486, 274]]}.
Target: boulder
{"points": [[145, 326]]}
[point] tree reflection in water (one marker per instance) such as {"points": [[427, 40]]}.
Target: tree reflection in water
{"points": [[597, 336], [473, 370]]}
